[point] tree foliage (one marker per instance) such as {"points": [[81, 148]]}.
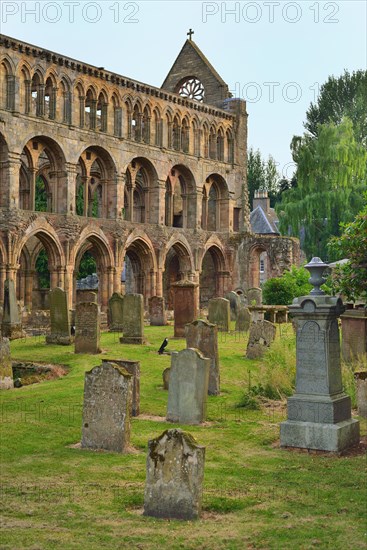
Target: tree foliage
{"points": [[40, 198], [262, 175], [350, 279], [282, 290], [343, 96], [87, 265], [331, 177]]}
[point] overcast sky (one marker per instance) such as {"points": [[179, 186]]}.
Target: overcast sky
{"points": [[274, 54]]}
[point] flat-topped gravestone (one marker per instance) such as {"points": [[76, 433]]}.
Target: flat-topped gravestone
{"points": [[234, 303], [254, 296], [157, 311], [185, 305], [204, 336], [188, 387], [354, 334], [133, 320], [133, 368], [361, 392], [243, 320], [60, 319], [219, 313], [175, 474], [87, 328], [106, 408], [11, 326], [262, 334], [6, 371], [319, 413], [116, 312]]}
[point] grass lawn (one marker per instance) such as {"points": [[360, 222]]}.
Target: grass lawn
{"points": [[256, 495]]}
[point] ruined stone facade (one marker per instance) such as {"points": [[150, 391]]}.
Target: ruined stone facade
{"points": [[148, 179]]}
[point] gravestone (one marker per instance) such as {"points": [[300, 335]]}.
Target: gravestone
{"points": [[319, 413], [116, 312], [106, 408], [219, 313], [87, 328], [262, 334], [234, 303], [165, 375], [133, 320], [6, 371], [361, 393], [243, 320], [175, 474], [157, 311], [354, 334], [11, 326], [185, 305], [188, 387], [133, 368], [60, 321], [204, 336], [254, 296]]}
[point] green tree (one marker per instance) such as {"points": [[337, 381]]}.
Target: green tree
{"points": [[87, 265], [261, 176], [343, 96], [42, 269], [331, 178], [40, 198], [282, 290], [350, 279]]}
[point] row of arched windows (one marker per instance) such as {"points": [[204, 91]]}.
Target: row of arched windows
{"points": [[49, 99]]}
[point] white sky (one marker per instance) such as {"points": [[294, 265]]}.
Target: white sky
{"points": [[274, 54]]}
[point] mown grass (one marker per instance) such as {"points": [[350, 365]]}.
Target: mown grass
{"points": [[255, 494]]}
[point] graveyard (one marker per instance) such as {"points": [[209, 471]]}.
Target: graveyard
{"points": [[255, 494]]}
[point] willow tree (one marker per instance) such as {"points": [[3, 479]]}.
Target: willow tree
{"points": [[331, 178]]}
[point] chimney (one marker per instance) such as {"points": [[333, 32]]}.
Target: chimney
{"points": [[261, 199]]}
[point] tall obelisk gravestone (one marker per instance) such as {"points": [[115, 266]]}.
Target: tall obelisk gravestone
{"points": [[319, 413]]}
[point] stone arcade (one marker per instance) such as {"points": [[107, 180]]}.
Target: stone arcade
{"points": [[151, 182]]}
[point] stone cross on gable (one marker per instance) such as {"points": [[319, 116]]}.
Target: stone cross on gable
{"points": [[190, 33]]}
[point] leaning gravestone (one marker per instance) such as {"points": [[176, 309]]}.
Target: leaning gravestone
{"points": [[133, 368], [60, 321], [87, 328], [133, 320], [106, 408], [188, 387], [6, 371], [262, 334], [254, 297], [219, 313], [319, 413], [175, 474], [116, 312], [11, 326], [204, 336], [157, 311], [234, 303], [243, 320], [185, 305]]}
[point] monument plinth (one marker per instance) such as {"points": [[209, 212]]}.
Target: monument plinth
{"points": [[319, 413]]}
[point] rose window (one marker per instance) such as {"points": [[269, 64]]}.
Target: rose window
{"points": [[193, 89]]}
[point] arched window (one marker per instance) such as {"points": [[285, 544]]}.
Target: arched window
{"points": [[206, 141], [230, 147], [50, 99], [7, 87], [66, 98], [117, 116], [136, 124], [197, 139], [38, 107], [25, 92], [158, 129], [101, 113], [220, 145], [80, 106], [185, 136], [176, 134], [168, 204], [213, 143], [145, 125], [90, 110]]}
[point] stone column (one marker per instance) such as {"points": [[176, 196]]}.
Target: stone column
{"points": [[11, 169], [319, 413], [81, 111], [70, 184], [28, 288]]}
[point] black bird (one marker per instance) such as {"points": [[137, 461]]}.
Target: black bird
{"points": [[164, 344], [72, 330]]}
